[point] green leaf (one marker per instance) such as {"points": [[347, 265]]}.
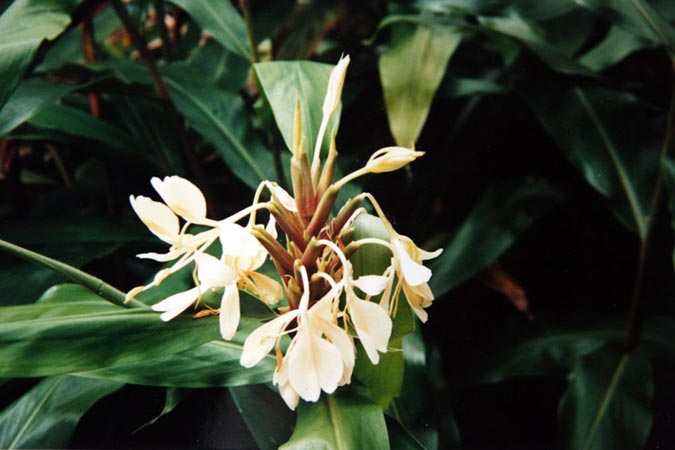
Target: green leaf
{"points": [[46, 416], [612, 144], [617, 45], [271, 429], [637, 17], [669, 181], [23, 26], [607, 402], [411, 70], [220, 117], [221, 20], [174, 397], [76, 122], [81, 332], [400, 438], [346, 420], [214, 364], [384, 379], [530, 35], [283, 82], [28, 98], [493, 225]]}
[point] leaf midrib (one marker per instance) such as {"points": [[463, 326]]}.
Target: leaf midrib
{"points": [[33, 415]]}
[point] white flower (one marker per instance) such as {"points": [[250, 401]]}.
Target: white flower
{"points": [[183, 197], [211, 273], [413, 276], [389, 159], [159, 219]]}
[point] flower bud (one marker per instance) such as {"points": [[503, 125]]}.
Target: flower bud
{"points": [[389, 159], [335, 83]]}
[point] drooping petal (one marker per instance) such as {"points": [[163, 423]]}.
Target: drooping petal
{"points": [[280, 377], [345, 345], [183, 197], [284, 198], [157, 217], [413, 272], [373, 326], [371, 284], [213, 272], [229, 312], [265, 288], [419, 297], [162, 257], [238, 241], [313, 364], [262, 339], [176, 304]]}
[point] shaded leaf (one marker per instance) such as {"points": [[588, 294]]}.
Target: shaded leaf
{"points": [[271, 429], [29, 97], [46, 416], [607, 402], [617, 45], [23, 26], [309, 23], [411, 70], [174, 397], [606, 135], [283, 82], [637, 17], [492, 226], [221, 20], [400, 438], [345, 420]]}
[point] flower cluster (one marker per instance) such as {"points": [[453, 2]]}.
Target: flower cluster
{"points": [[326, 307]]}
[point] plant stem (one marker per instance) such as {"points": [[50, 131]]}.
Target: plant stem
{"points": [[59, 165], [97, 285], [160, 13], [157, 79], [246, 11], [634, 322]]}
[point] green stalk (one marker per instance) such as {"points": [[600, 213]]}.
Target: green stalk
{"points": [[98, 286]]}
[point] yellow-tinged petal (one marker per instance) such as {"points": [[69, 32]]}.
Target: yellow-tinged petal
{"points": [[265, 288], [335, 84], [389, 159], [183, 197], [212, 272], [413, 272], [229, 312], [157, 217], [262, 339], [176, 304]]}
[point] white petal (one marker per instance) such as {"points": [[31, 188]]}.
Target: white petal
{"points": [[265, 288], [284, 198], [313, 364], [162, 257], [413, 272], [371, 284], [287, 392], [262, 339], [342, 341], [229, 312], [424, 255], [176, 304], [372, 324], [157, 217], [213, 272], [238, 241], [183, 197]]}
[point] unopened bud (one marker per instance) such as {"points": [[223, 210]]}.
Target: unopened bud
{"points": [[335, 83], [389, 159]]}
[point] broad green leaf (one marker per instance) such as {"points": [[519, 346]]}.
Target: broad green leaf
{"points": [[555, 352], [306, 27], [400, 438], [221, 118], [493, 225], [76, 122], [283, 82], [221, 20], [607, 136], [214, 364], [460, 87], [270, 429], [607, 402], [384, 379], [411, 70], [46, 416], [637, 17], [72, 230], [77, 334], [617, 45], [346, 420], [531, 36], [28, 98], [23, 27], [174, 397]]}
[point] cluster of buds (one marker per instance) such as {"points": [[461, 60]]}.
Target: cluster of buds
{"points": [[325, 307]]}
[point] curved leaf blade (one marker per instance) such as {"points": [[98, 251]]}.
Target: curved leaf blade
{"points": [[46, 416]]}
